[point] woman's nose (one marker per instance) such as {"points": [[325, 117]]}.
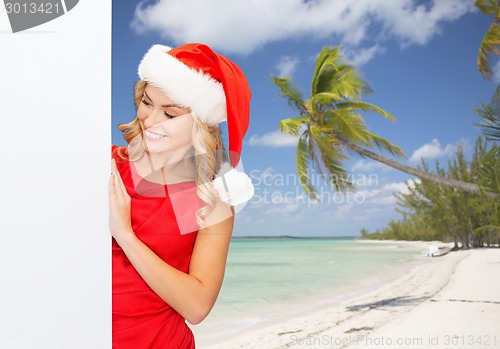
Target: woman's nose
{"points": [[153, 117]]}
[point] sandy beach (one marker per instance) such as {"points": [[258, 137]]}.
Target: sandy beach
{"points": [[451, 301]]}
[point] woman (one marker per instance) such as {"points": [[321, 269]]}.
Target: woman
{"points": [[172, 195]]}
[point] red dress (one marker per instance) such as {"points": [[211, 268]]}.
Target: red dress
{"points": [[141, 319]]}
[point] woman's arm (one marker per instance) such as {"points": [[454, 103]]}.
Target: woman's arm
{"points": [[192, 295]]}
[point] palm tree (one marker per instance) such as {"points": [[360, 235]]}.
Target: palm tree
{"points": [[330, 128], [490, 44]]}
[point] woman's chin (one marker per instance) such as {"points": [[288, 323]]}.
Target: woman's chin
{"points": [[156, 145]]}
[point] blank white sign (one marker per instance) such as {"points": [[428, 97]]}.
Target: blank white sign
{"points": [[55, 117]]}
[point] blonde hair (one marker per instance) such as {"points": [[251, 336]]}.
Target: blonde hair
{"points": [[208, 149], [209, 155], [132, 130]]}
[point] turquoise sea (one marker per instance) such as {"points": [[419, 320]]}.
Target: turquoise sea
{"points": [[271, 278]]}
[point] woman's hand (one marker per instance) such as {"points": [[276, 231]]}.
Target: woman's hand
{"points": [[119, 207]]}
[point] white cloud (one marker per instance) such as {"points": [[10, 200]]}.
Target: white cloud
{"points": [[244, 26], [417, 24], [274, 139], [286, 66], [434, 150], [342, 212], [401, 187], [385, 200], [385, 195], [359, 57]]}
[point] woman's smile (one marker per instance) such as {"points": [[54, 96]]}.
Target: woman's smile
{"points": [[153, 135]]}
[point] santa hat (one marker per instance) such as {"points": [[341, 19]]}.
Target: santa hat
{"points": [[216, 90]]}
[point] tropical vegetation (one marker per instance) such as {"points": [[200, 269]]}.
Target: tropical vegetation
{"points": [[433, 212], [330, 126], [459, 202]]}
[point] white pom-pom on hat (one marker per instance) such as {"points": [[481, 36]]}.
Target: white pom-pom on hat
{"points": [[232, 186]]}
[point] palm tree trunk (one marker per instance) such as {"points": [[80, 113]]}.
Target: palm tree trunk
{"points": [[470, 187]]}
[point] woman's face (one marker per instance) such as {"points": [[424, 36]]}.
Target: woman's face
{"points": [[167, 126]]}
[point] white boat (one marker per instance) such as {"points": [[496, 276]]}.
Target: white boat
{"points": [[438, 250]]}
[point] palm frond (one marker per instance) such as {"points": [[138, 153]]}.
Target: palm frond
{"points": [[332, 74], [348, 83], [303, 158], [292, 94], [325, 61], [322, 134], [331, 159], [490, 45], [489, 171], [488, 7], [293, 126], [365, 107], [491, 121], [351, 126], [315, 154], [383, 144], [325, 98]]}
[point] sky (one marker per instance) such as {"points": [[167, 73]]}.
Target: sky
{"points": [[419, 57]]}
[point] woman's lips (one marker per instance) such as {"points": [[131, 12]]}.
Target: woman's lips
{"points": [[153, 136]]}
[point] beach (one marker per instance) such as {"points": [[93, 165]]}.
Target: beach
{"points": [[452, 301]]}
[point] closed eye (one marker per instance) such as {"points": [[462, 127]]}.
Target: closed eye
{"points": [[170, 116], [171, 110]]}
